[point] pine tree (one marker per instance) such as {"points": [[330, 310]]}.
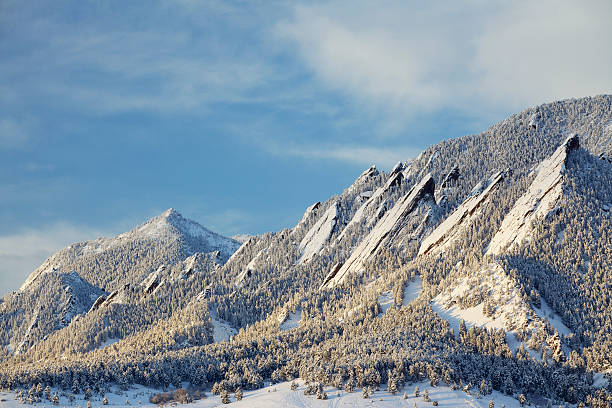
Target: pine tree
{"points": [[225, 399], [364, 393], [426, 395], [238, 394], [416, 391], [55, 399], [392, 386], [105, 401], [522, 399], [491, 403], [294, 385]]}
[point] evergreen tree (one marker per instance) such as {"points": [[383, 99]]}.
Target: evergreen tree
{"points": [[225, 399]]}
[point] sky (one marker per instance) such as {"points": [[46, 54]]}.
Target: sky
{"points": [[241, 114]]}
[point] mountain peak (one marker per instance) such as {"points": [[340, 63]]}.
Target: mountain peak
{"points": [[170, 212]]}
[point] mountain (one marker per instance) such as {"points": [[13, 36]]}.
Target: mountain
{"points": [[484, 263], [86, 278], [165, 239]]}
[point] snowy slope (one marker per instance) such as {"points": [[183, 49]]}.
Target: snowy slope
{"points": [[535, 204], [370, 245], [281, 395]]}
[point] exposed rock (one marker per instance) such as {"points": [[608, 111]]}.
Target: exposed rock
{"points": [[534, 120], [393, 181], [391, 221], [398, 168], [309, 211], [453, 175], [319, 234], [152, 281], [540, 198], [448, 231]]}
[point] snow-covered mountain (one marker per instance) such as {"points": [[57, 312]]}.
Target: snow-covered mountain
{"points": [[482, 266], [166, 238], [70, 282]]}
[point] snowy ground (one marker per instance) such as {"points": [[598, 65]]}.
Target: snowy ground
{"points": [[280, 395], [223, 331], [411, 292], [107, 343], [292, 321]]}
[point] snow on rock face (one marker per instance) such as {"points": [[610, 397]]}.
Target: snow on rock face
{"points": [[394, 180], [447, 232], [309, 211], [369, 247], [319, 234], [250, 268], [222, 330], [367, 174], [539, 199]]}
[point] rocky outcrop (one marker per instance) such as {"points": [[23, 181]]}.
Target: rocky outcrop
{"points": [[391, 221], [537, 202], [394, 180], [319, 234], [448, 231]]}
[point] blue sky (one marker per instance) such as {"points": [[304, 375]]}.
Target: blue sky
{"points": [[241, 114]]}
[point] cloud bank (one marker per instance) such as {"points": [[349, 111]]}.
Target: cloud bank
{"points": [[414, 56]]}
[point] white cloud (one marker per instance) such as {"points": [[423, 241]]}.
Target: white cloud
{"points": [[382, 156], [22, 252], [414, 56]]}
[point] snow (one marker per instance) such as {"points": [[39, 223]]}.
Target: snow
{"points": [[540, 198], [370, 245], [510, 312], [309, 211], [281, 395], [107, 343], [448, 231], [319, 234], [291, 321], [385, 300], [250, 268], [546, 312], [222, 330], [433, 157], [412, 290], [167, 226]]}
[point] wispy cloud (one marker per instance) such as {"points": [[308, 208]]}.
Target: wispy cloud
{"points": [[412, 57], [384, 157], [23, 251], [104, 66]]}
